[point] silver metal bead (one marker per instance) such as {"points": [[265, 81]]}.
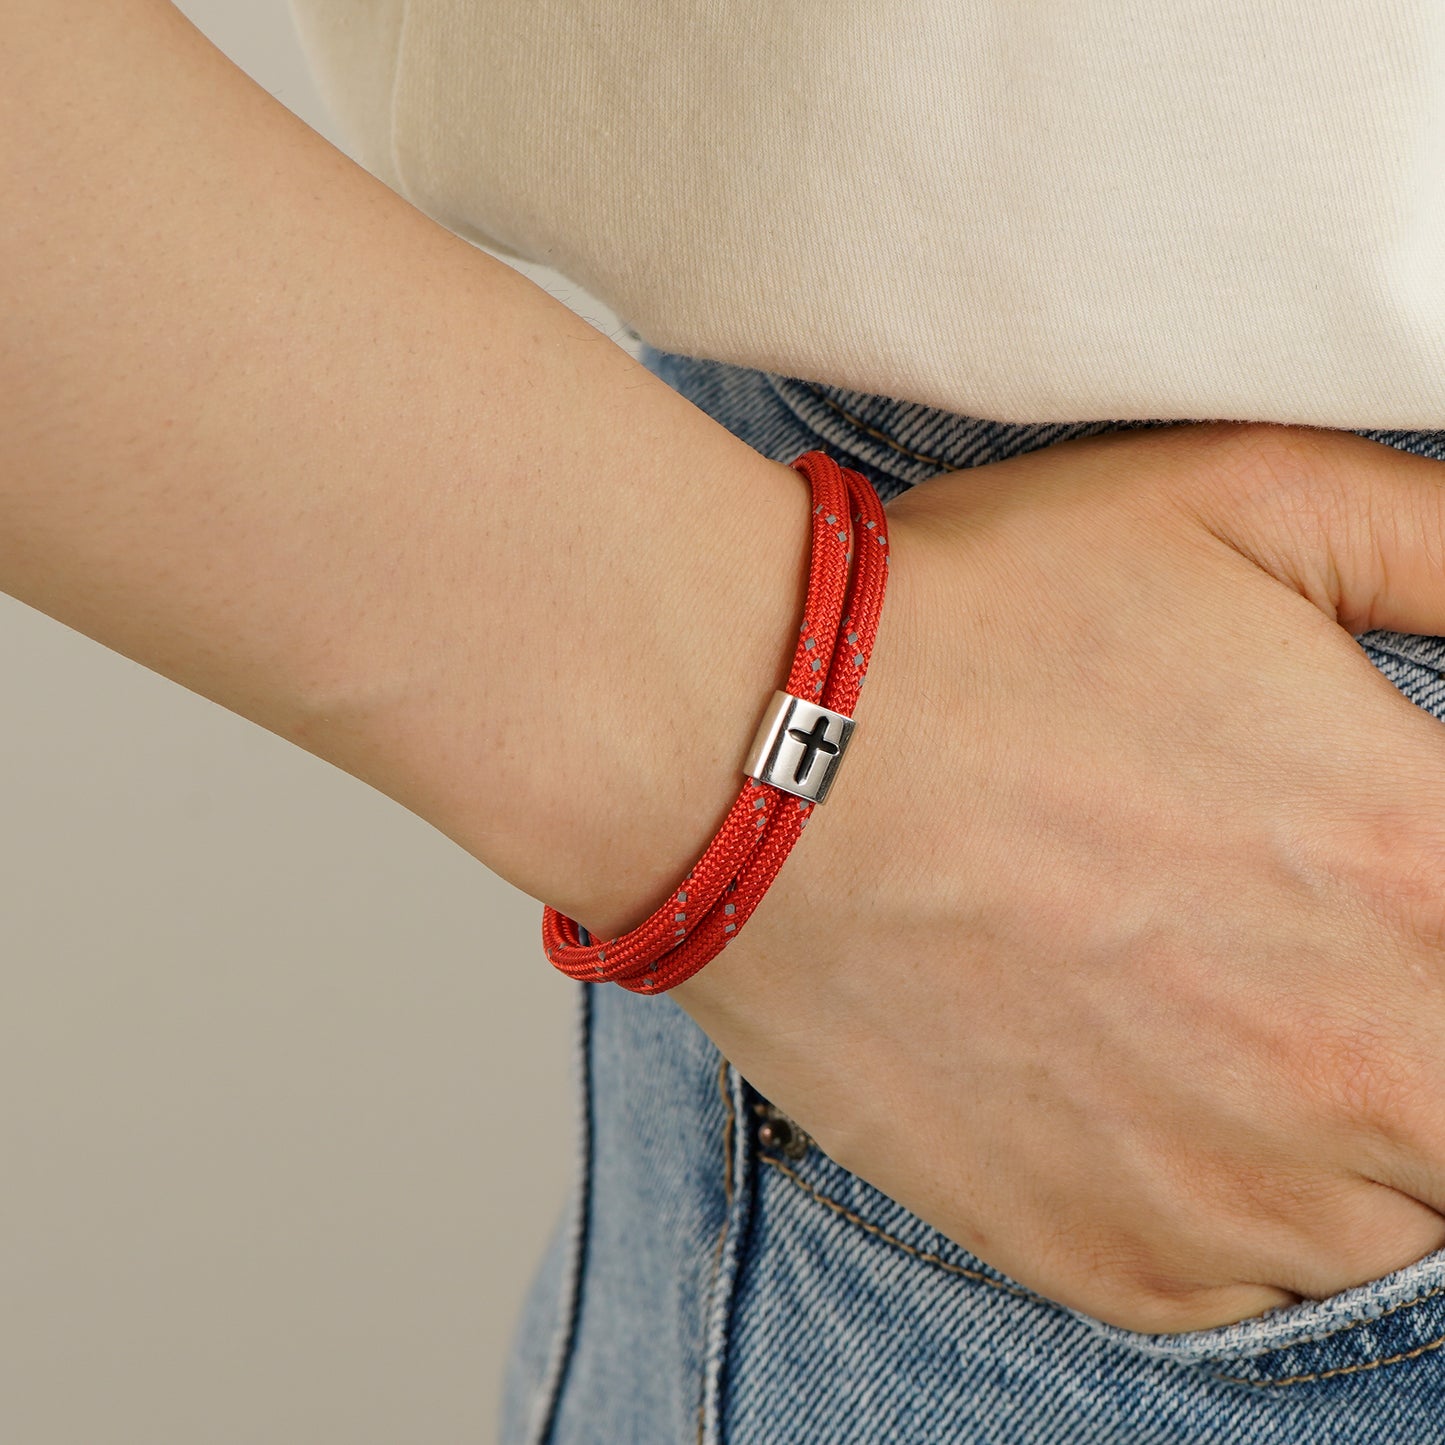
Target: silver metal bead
{"points": [[798, 746]]}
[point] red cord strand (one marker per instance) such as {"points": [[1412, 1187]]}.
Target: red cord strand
{"points": [[708, 909]]}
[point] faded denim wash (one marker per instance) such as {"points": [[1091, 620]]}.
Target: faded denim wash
{"points": [[705, 1288]]}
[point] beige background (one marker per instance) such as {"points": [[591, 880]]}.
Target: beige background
{"points": [[284, 1104]]}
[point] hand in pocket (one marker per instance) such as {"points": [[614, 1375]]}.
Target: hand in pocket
{"points": [[1118, 952]]}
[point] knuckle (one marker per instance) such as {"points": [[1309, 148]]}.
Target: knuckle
{"points": [[1359, 1256], [1161, 1315], [1266, 1193], [1354, 1069], [1394, 864], [1367, 1231], [1120, 1280], [1158, 1306], [1150, 1299]]}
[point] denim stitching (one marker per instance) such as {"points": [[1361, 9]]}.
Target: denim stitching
{"points": [[1339, 1369], [920, 1254], [1345, 1329], [722, 1234], [927, 1258], [873, 432]]}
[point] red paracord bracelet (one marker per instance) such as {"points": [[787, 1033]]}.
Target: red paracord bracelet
{"points": [[791, 765]]}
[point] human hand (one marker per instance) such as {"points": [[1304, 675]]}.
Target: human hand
{"points": [[1117, 953]]}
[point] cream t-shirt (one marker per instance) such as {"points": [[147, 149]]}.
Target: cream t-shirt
{"points": [[1014, 209]]}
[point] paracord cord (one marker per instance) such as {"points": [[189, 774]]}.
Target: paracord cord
{"points": [[720, 892]]}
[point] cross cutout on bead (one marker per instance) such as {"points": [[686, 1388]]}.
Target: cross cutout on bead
{"points": [[792, 748], [813, 742]]}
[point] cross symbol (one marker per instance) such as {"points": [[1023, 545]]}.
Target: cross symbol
{"points": [[813, 743]]}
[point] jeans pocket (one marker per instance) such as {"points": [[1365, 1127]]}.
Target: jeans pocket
{"points": [[1389, 1321], [855, 1321]]}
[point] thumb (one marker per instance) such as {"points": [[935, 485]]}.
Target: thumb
{"points": [[1356, 526]]}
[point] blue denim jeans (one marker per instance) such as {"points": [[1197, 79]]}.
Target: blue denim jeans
{"points": [[706, 1286]]}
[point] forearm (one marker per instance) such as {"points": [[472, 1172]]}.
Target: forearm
{"points": [[269, 430]]}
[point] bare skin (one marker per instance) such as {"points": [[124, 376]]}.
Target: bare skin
{"points": [[1116, 952]]}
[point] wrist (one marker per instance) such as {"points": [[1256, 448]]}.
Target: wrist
{"points": [[673, 729], [560, 640], [784, 962]]}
